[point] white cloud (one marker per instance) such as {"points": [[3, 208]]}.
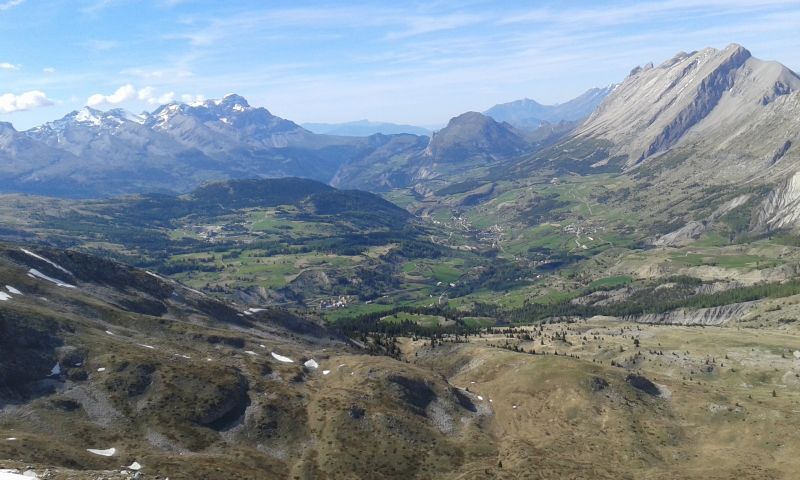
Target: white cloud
{"points": [[149, 95], [11, 4], [49, 70], [187, 98], [123, 94], [8, 66], [10, 103]]}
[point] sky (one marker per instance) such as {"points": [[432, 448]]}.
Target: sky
{"points": [[333, 61]]}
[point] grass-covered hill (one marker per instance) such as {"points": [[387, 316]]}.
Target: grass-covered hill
{"points": [[265, 241]]}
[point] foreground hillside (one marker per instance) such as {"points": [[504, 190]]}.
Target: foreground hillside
{"points": [[105, 366]]}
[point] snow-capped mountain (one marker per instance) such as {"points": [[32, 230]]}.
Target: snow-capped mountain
{"points": [[219, 125], [175, 148]]}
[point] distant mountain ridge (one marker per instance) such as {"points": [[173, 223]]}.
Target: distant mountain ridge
{"points": [[365, 128], [178, 146], [529, 114], [91, 153]]}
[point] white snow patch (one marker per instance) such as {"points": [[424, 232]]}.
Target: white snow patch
{"points": [[311, 364], [281, 358], [796, 354], [110, 332], [250, 352], [48, 261], [135, 466], [187, 357], [12, 439], [262, 346], [13, 290], [514, 407], [101, 369], [36, 273], [154, 275], [109, 452], [56, 370], [4, 296], [325, 372], [480, 398], [147, 346], [12, 475]]}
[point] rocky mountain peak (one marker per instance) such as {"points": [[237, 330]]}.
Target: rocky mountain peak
{"points": [[657, 108]]}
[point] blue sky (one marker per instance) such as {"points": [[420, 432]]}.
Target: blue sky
{"points": [[412, 62]]}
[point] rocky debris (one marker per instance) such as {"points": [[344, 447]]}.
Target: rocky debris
{"points": [[643, 384], [416, 393], [356, 412], [598, 384]]}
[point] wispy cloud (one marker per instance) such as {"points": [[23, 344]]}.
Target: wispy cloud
{"points": [[10, 4], [8, 66]]}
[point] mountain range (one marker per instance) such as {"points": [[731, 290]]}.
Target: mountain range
{"points": [[612, 294], [365, 128], [93, 153], [529, 114]]}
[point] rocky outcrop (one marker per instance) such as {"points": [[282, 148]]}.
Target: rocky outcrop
{"points": [[713, 316], [712, 97], [781, 208]]}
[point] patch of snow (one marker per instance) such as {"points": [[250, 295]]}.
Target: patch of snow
{"points": [[13, 290], [325, 372], [12, 439], [85, 115], [195, 291], [311, 364], [134, 466], [480, 398], [514, 407], [262, 346], [109, 452], [281, 358], [109, 332], [4, 296], [55, 371], [154, 275], [12, 475], [101, 369], [209, 360], [796, 354], [250, 352], [36, 273], [147, 346], [187, 357], [47, 261]]}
